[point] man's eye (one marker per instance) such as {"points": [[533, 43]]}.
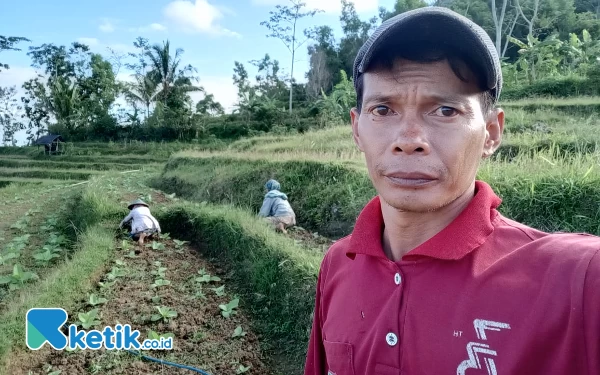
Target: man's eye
{"points": [[446, 111], [381, 111]]}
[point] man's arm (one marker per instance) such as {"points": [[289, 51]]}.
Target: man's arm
{"points": [[265, 210], [127, 218], [591, 314], [316, 363]]}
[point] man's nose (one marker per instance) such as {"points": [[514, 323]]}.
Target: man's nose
{"points": [[411, 137]]}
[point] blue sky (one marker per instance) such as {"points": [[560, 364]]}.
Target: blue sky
{"points": [[213, 33]]}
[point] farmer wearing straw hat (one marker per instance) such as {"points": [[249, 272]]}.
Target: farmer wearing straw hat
{"points": [[276, 208], [143, 224]]}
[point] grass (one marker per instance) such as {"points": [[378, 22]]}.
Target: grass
{"points": [[28, 163], [63, 287]]}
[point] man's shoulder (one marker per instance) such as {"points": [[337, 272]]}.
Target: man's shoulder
{"points": [[565, 245]]}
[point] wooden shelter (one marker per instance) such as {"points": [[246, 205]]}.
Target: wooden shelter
{"points": [[53, 144]]}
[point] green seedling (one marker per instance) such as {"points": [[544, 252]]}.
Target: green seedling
{"points": [[88, 319], [156, 245], [160, 272], [200, 294], [22, 223], [95, 300], [45, 258], [156, 299], [220, 291], [131, 255], [198, 336], [18, 277], [238, 332], [229, 309], [116, 272], [8, 256], [48, 369], [164, 313], [164, 236], [160, 282], [56, 239], [106, 284], [179, 243], [156, 336], [125, 245], [242, 369], [205, 277]]}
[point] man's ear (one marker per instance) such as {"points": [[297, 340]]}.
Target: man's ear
{"points": [[354, 116], [494, 128]]}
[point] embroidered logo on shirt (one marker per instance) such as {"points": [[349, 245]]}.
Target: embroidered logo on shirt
{"points": [[475, 349]]}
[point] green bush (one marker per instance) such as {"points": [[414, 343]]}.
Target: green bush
{"points": [[554, 87], [325, 196]]}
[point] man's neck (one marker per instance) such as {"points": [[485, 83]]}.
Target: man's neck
{"points": [[405, 231]]}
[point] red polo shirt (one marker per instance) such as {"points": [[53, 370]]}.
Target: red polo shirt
{"points": [[486, 295]]}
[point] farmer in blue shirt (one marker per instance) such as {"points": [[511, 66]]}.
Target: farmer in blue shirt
{"points": [[276, 207]]}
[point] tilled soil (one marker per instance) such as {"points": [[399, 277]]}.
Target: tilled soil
{"points": [[202, 335]]}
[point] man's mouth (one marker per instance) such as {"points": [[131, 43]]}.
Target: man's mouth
{"points": [[410, 178]]}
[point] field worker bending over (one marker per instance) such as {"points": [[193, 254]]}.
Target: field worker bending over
{"points": [[434, 279], [276, 207], [143, 224]]}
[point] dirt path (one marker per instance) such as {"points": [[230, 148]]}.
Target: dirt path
{"points": [[202, 335]]}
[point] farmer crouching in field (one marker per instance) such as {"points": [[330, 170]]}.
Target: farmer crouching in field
{"points": [[433, 278], [276, 207], [143, 224]]}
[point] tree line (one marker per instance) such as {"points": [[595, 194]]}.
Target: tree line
{"points": [[548, 47]]}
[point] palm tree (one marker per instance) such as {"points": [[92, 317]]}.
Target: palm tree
{"points": [[144, 90], [165, 71]]}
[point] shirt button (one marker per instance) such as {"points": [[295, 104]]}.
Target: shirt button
{"points": [[397, 279], [391, 339]]}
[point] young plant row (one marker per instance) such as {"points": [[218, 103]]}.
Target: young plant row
{"points": [[44, 256], [158, 282]]}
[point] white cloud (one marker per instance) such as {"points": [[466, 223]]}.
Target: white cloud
{"points": [[151, 27], [221, 87], [107, 27], [328, 6], [92, 42], [16, 76], [157, 27], [196, 17]]}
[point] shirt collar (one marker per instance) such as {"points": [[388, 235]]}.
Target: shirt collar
{"points": [[463, 235]]}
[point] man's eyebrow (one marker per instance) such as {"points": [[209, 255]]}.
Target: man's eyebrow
{"points": [[449, 98], [380, 98], [434, 97]]}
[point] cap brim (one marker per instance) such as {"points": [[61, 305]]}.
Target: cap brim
{"points": [[437, 26]]}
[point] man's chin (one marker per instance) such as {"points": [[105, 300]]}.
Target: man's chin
{"points": [[417, 202]]}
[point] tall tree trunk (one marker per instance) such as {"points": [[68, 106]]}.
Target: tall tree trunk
{"points": [[512, 27], [530, 22], [498, 23]]}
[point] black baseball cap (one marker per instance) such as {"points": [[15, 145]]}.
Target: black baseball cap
{"points": [[436, 25]]}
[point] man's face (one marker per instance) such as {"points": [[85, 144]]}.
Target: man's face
{"points": [[423, 133]]}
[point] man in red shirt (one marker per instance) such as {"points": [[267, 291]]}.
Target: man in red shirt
{"points": [[433, 279]]}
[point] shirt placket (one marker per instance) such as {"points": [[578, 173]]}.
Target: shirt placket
{"points": [[393, 338]]}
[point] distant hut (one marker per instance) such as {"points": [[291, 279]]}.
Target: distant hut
{"points": [[53, 144]]}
